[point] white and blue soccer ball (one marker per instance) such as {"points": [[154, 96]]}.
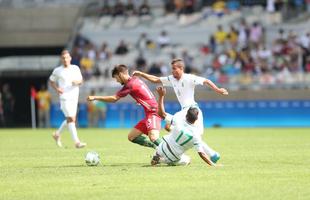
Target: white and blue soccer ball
{"points": [[92, 158]]}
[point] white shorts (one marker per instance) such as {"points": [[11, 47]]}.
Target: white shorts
{"points": [[170, 158], [199, 123], [69, 107]]}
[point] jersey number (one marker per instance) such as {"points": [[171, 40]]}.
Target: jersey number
{"points": [[187, 136]]}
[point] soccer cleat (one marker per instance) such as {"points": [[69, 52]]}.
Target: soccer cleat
{"points": [[80, 145], [215, 157], [155, 160], [57, 139]]}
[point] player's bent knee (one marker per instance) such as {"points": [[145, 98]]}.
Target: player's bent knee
{"points": [[153, 137], [130, 138]]}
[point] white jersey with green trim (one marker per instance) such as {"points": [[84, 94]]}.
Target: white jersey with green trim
{"points": [[184, 88], [181, 138]]}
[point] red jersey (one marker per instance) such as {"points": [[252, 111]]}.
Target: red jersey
{"points": [[140, 92]]}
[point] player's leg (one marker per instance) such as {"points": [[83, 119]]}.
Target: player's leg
{"points": [[153, 127], [70, 108], [214, 156], [160, 155], [136, 136], [184, 160], [57, 133]]}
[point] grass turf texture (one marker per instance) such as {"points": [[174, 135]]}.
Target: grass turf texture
{"points": [[258, 164]]}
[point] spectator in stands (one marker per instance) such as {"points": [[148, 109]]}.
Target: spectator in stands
{"points": [[122, 48], [179, 5], [43, 98], [169, 6], [154, 70], [144, 8], [164, 69], [76, 55], [130, 8], [220, 37], [264, 53], [281, 35], [304, 40], [8, 104], [163, 40], [188, 61], [90, 51], [256, 34], [91, 111], [106, 9], [219, 7], [141, 43], [104, 53], [188, 6], [119, 9], [101, 109], [243, 34], [232, 37], [270, 6], [212, 44], [141, 62], [87, 63]]}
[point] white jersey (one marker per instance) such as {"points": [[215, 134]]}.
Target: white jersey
{"points": [[181, 138], [63, 76], [184, 88]]}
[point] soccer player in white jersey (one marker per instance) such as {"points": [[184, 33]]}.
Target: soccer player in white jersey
{"points": [[184, 88], [181, 137], [66, 80]]}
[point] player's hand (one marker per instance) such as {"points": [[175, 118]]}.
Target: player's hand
{"points": [[60, 91], [223, 91], [76, 83], [137, 73], [90, 98], [161, 91]]}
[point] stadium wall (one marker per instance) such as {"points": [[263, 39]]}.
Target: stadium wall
{"points": [[224, 113]]}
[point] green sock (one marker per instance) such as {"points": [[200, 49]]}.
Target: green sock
{"points": [[144, 141], [156, 142]]}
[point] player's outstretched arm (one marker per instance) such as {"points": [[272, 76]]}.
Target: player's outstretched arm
{"points": [[109, 99], [152, 78], [205, 158], [209, 83], [161, 108]]}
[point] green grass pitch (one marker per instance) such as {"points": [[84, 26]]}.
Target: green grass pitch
{"points": [[258, 164]]}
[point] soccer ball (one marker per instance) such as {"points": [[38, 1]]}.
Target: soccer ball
{"points": [[92, 158]]}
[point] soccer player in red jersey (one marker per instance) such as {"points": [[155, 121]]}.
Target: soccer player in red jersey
{"points": [[136, 88]]}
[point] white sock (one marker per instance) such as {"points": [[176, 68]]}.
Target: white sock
{"points": [[60, 129], [72, 130], [210, 152]]}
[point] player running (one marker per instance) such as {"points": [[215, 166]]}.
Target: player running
{"points": [[150, 125], [184, 88], [66, 80], [182, 137]]}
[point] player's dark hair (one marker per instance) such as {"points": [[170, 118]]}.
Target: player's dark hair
{"points": [[192, 115], [119, 69], [176, 60], [65, 51]]}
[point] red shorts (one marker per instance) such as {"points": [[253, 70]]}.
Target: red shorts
{"points": [[150, 122]]}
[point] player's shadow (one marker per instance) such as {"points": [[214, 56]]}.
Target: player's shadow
{"points": [[62, 166], [124, 165]]}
